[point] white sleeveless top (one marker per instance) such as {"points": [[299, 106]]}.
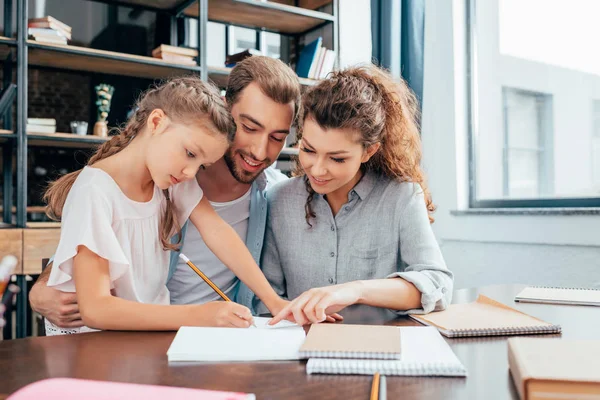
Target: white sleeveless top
{"points": [[98, 215]]}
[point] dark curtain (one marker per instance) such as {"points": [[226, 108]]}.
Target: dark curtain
{"points": [[398, 29]]}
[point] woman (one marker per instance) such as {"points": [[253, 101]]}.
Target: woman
{"points": [[354, 227]]}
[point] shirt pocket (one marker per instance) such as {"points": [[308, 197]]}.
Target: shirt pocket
{"points": [[373, 263]]}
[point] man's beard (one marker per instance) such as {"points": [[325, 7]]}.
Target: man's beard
{"points": [[240, 174]]}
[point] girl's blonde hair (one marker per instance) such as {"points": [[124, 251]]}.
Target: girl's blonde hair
{"points": [[367, 100], [186, 100]]}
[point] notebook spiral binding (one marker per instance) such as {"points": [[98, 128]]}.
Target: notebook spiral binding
{"points": [[509, 330], [349, 354], [370, 367], [564, 288]]}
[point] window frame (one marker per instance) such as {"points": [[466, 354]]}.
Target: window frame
{"points": [[473, 133]]}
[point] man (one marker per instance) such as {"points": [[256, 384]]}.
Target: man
{"points": [[264, 96]]}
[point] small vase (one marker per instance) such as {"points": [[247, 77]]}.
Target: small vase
{"points": [[101, 129]]}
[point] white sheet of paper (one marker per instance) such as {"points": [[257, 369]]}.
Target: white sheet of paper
{"points": [[262, 323], [231, 344]]}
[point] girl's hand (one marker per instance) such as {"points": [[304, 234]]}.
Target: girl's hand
{"points": [[316, 305], [225, 314]]}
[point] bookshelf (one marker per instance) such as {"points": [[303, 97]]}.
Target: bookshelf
{"points": [[33, 240]]}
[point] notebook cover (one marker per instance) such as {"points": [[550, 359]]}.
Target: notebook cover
{"points": [[77, 389], [568, 367], [569, 296], [352, 341], [424, 353], [484, 317]]}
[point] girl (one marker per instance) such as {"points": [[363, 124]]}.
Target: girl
{"points": [[120, 212], [355, 226]]}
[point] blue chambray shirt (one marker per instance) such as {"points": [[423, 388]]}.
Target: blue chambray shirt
{"points": [[255, 235], [383, 231]]}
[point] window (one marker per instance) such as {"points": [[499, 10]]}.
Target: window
{"points": [[527, 156], [535, 103]]}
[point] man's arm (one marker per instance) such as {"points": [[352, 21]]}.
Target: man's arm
{"points": [[58, 307]]}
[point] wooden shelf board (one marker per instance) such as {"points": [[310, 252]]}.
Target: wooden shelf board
{"points": [[220, 76], [102, 61], [30, 209], [64, 140], [38, 225], [272, 16], [157, 4]]}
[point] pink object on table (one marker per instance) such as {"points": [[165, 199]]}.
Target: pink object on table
{"points": [[76, 389]]}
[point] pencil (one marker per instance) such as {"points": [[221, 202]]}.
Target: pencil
{"points": [[382, 388], [375, 387], [206, 279]]}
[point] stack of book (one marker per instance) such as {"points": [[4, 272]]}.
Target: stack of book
{"points": [[48, 30], [315, 61], [179, 55], [41, 125]]}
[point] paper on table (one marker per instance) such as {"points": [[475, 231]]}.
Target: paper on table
{"points": [[263, 323], [231, 344]]}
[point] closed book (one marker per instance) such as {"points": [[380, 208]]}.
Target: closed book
{"points": [[555, 295], [41, 121], [48, 32], [50, 20], [555, 369], [41, 128], [182, 51], [75, 389], [45, 39], [176, 58], [484, 317], [352, 341], [308, 58], [237, 57], [50, 25]]}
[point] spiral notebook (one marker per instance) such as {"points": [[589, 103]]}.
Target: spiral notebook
{"points": [[424, 353], [352, 341], [555, 295], [485, 317]]}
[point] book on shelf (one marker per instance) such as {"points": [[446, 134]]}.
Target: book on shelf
{"points": [[182, 51], [48, 33], [50, 40], [232, 59], [308, 58], [41, 128], [41, 121], [49, 30], [315, 61], [176, 58], [49, 21]]}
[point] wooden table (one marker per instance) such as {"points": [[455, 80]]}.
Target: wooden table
{"points": [[141, 357]]}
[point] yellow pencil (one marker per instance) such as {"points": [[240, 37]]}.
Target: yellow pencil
{"points": [[206, 279], [375, 387]]}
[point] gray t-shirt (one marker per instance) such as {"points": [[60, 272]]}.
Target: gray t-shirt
{"points": [[186, 286], [382, 231]]}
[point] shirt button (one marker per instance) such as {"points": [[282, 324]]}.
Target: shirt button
{"points": [[332, 228], [332, 254], [347, 208], [330, 280]]}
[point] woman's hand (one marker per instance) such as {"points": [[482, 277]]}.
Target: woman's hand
{"points": [[320, 304]]}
